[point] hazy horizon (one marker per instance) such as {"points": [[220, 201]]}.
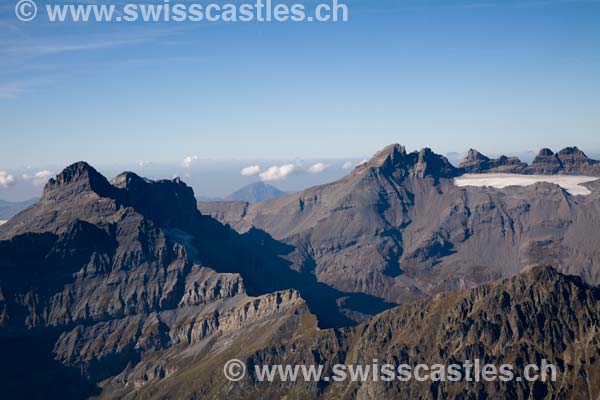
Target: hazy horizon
{"points": [[217, 178]]}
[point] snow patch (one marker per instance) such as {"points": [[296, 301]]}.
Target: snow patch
{"points": [[2, 221], [571, 183]]}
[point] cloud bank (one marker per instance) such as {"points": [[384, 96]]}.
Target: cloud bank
{"points": [[41, 177], [6, 179]]}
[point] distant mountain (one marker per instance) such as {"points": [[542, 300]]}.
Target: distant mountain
{"points": [[568, 161], [255, 192], [8, 208]]}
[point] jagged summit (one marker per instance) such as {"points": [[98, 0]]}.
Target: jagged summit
{"points": [[170, 202], [393, 160], [81, 192], [127, 179], [476, 162], [76, 171], [572, 156], [389, 154], [568, 161], [474, 155], [432, 164], [76, 178], [572, 151]]}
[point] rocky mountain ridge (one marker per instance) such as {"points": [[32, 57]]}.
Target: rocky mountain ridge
{"points": [[398, 228], [568, 161]]}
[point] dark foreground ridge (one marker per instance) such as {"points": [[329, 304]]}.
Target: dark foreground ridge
{"points": [[540, 314]]}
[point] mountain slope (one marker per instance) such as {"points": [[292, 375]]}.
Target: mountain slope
{"points": [[539, 315], [399, 229]]}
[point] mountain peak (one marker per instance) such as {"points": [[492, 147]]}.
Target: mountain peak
{"points": [[432, 164], [571, 150], [76, 171], [79, 177], [394, 160], [545, 152], [390, 153], [169, 202], [126, 180], [474, 155]]}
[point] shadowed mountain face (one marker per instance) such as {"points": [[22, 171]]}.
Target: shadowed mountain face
{"points": [[255, 192], [568, 161], [398, 228]]}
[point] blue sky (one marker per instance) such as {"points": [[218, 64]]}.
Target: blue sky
{"points": [[500, 76]]}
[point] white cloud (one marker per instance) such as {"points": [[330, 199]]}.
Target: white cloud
{"points": [[347, 165], [317, 168], [187, 162], [251, 170], [41, 177], [6, 179], [275, 173]]}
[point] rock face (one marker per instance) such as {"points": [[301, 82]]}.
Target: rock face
{"points": [[539, 315], [399, 229], [255, 192], [568, 161], [98, 278]]}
